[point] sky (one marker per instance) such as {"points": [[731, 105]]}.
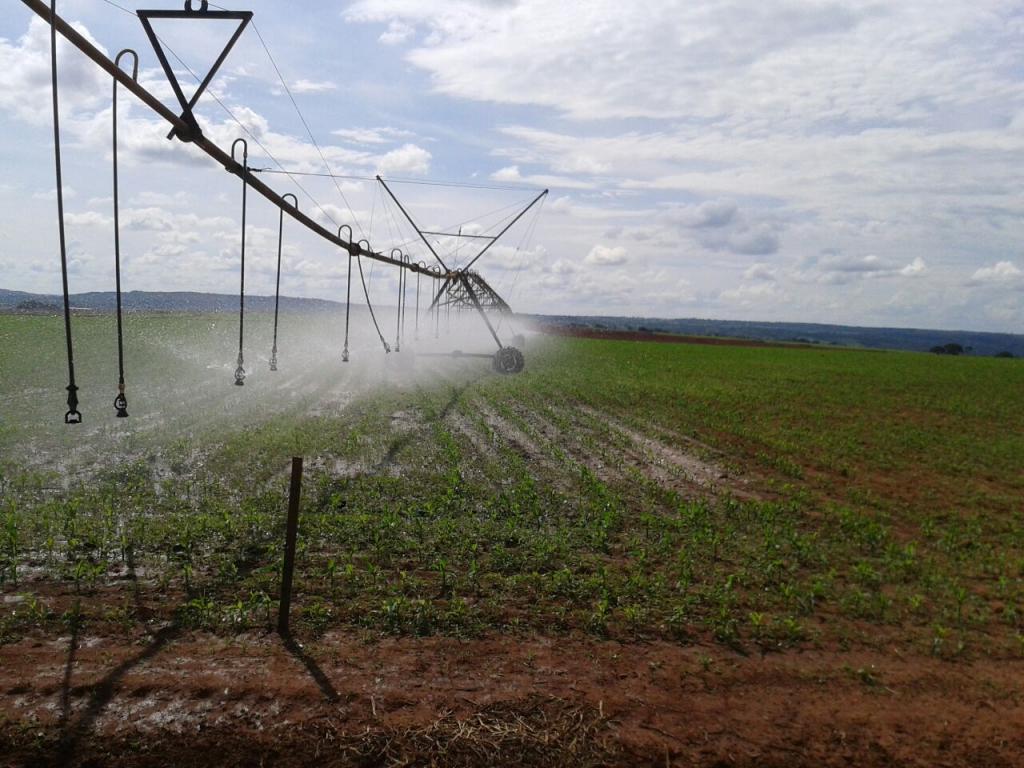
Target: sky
{"points": [[795, 160]]}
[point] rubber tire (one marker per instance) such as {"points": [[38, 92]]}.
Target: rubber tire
{"points": [[508, 360]]}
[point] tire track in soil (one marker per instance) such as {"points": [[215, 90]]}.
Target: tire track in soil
{"points": [[674, 468], [541, 449], [605, 451]]}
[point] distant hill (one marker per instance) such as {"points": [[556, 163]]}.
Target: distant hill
{"points": [[158, 301], [911, 339]]}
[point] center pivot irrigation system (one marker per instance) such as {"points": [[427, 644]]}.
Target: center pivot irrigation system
{"points": [[459, 288]]}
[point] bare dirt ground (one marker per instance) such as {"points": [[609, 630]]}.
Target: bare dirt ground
{"points": [[176, 698]]}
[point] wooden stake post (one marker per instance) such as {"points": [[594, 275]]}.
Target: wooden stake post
{"points": [[289, 546]]}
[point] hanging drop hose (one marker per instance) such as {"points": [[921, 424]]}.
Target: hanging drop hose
{"points": [[416, 333], [398, 311], [240, 370], [277, 289], [405, 287], [348, 290], [72, 416], [366, 293], [437, 320], [120, 402]]}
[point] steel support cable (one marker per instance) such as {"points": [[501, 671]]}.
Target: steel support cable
{"points": [[251, 135], [524, 244], [120, 401], [387, 215], [277, 287], [298, 111], [506, 228], [291, 175], [238, 122], [493, 226], [394, 227], [348, 291], [515, 205], [458, 247], [240, 370], [221, 157], [389, 218], [502, 284], [72, 416], [305, 125], [373, 212], [369, 304], [422, 182], [531, 231]]}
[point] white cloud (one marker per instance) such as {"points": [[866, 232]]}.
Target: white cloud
{"points": [[914, 268], [1000, 272], [840, 269], [408, 158], [603, 256], [711, 213], [511, 174], [25, 75], [371, 135], [759, 271], [748, 294], [51, 194], [722, 226], [313, 86], [608, 59], [88, 219], [396, 33], [758, 241]]}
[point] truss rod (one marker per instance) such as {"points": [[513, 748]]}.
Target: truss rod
{"points": [[216, 153], [480, 309], [413, 223], [506, 229], [452, 234]]}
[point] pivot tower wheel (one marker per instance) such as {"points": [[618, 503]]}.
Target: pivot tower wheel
{"points": [[509, 360]]}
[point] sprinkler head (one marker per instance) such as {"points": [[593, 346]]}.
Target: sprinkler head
{"points": [[72, 416], [121, 405], [239, 376]]}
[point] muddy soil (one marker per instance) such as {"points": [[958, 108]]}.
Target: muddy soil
{"points": [[180, 698]]}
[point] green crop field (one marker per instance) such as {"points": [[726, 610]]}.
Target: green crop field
{"points": [[738, 500]]}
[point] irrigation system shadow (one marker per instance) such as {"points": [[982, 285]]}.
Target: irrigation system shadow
{"points": [[457, 393], [319, 677], [69, 665], [102, 692], [403, 440]]}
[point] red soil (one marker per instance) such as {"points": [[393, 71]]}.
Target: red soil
{"points": [[195, 699]]}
